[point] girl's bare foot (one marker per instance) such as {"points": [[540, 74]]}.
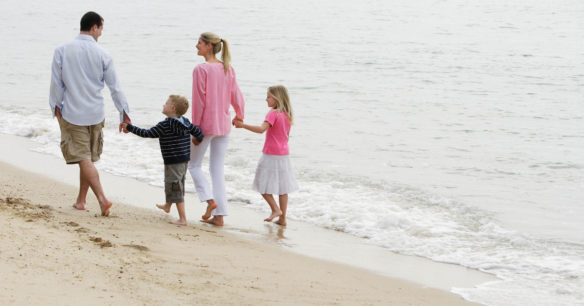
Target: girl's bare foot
{"points": [[215, 221], [79, 206], [210, 206], [273, 215], [281, 222], [178, 222], [105, 209], [164, 207]]}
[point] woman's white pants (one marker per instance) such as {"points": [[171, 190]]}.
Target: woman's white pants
{"points": [[205, 191]]}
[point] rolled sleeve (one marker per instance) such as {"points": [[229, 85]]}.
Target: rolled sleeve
{"points": [[111, 79], [57, 89]]}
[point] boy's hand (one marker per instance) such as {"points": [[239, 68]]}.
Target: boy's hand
{"points": [[123, 126], [196, 142], [238, 123]]}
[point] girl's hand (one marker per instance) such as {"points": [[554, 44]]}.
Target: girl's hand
{"points": [[238, 123]]}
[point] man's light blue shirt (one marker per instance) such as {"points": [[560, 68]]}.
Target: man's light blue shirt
{"points": [[79, 71]]}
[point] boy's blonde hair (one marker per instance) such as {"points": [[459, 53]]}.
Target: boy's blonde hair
{"points": [[180, 103], [280, 94]]}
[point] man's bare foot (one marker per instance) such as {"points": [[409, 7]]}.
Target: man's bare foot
{"points": [[164, 207], [214, 221], [281, 222], [79, 206], [210, 207], [105, 209], [178, 222], [273, 215]]}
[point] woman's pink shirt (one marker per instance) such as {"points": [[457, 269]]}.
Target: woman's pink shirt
{"points": [[213, 92], [277, 134]]}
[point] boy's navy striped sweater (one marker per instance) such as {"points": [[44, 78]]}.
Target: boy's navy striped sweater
{"points": [[174, 138]]}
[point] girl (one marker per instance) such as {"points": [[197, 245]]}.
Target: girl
{"points": [[214, 89], [274, 173]]}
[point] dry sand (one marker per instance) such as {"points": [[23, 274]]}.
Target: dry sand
{"points": [[53, 254]]}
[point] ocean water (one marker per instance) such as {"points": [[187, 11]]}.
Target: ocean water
{"points": [[447, 129]]}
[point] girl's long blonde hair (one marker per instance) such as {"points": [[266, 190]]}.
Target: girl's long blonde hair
{"points": [[217, 41], [280, 94]]}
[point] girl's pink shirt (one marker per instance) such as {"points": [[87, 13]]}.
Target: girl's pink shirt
{"points": [[213, 92], [277, 134]]}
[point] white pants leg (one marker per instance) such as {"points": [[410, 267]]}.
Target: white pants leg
{"points": [[216, 164]]}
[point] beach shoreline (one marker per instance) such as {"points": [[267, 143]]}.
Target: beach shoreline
{"points": [[135, 256]]}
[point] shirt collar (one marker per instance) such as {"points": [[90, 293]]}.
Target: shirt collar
{"points": [[85, 37]]}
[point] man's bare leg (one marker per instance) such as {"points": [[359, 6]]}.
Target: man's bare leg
{"points": [[90, 174], [82, 196], [276, 212], [283, 199]]}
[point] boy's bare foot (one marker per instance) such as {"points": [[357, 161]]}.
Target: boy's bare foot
{"points": [[164, 207], [178, 222], [214, 221], [105, 209], [210, 207], [79, 206], [273, 215], [281, 222]]}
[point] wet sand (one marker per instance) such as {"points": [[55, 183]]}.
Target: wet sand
{"points": [[136, 257]]}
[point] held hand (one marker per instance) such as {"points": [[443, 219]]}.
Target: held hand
{"points": [[123, 126], [125, 123], [235, 119], [196, 142], [238, 123]]}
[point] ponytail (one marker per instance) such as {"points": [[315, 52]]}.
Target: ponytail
{"points": [[218, 45]]}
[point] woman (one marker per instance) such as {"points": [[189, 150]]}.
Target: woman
{"points": [[214, 89]]}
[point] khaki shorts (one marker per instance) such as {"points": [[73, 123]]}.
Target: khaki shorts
{"points": [[81, 142], [174, 182]]}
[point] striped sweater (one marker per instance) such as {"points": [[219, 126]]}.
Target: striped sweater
{"points": [[174, 138]]}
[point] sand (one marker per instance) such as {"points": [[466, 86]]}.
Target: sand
{"points": [[53, 254]]}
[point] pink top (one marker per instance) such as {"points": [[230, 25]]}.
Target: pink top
{"points": [[213, 91], [277, 134]]}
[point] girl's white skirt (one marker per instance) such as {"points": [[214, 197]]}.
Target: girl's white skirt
{"points": [[274, 175]]}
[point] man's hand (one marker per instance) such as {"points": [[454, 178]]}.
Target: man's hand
{"points": [[125, 123], [195, 141], [58, 113]]}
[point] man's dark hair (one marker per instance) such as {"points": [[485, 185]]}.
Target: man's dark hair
{"points": [[89, 20]]}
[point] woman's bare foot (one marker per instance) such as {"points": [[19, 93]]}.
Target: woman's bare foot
{"points": [[273, 215], [281, 222], [165, 207], [216, 220], [178, 222], [79, 206], [105, 209], [210, 206]]}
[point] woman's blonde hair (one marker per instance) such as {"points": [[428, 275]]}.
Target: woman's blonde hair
{"points": [[217, 41], [280, 94]]}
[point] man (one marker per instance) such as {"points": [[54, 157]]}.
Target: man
{"points": [[79, 70]]}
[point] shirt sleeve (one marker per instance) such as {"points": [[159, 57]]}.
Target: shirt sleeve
{"points": [[154, 132], [271, 117], [237, 98], [199, 94], [57, 89], [111, 79]]}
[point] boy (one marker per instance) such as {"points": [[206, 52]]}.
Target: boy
{"points": [[174, 137]]}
